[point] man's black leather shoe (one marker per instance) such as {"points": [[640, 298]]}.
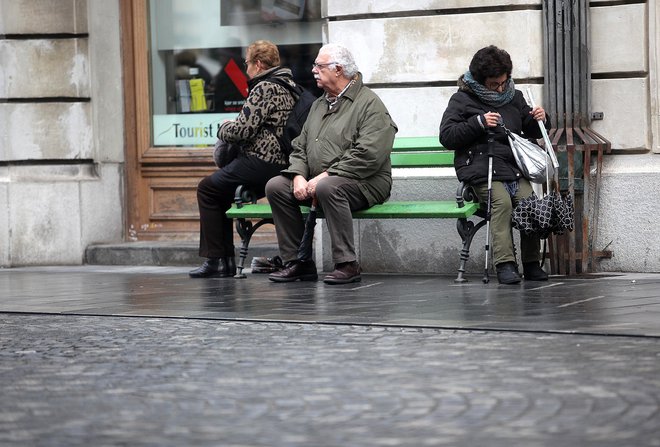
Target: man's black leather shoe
{"points": [[344, 273], [215, 267], [294, 271], [507, 273], [533, 272]]}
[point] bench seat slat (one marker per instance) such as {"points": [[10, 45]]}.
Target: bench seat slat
{"points": [[436, 159], [402, 144], [388, 210], [417, 209], [254, 211]]}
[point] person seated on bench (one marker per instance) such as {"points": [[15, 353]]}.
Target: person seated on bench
{"points": [[487, 96], [341, 159], [267, 106]]}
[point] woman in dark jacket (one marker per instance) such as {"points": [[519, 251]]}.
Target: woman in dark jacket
{"points": [[266, 109], [486, 97]]}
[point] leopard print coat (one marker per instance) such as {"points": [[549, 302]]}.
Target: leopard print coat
{"points": [[266, 110]]}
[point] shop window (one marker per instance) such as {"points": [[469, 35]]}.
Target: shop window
{"points": [[197, 72]]}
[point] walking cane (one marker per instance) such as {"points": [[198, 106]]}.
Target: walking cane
{"points": [[305, 249], [489, 202], [552, 158], [548, 144]]}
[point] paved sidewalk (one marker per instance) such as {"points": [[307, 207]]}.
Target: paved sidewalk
{"points": [[599, 304], [145, 356]]}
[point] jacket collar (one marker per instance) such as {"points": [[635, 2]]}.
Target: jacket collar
{"points": [[354, 88], [351, 92], [271, 72], [463, 87]]}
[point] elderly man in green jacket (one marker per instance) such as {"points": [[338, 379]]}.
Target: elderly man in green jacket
{"points": [[341, 160]]}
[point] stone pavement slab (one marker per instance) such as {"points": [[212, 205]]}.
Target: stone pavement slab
{"points": [[598, 304]]}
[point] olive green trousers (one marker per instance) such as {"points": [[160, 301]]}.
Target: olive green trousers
{"points": [[501, 240]]}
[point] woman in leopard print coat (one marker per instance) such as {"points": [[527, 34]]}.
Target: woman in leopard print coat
{"points": [[265, 111]]}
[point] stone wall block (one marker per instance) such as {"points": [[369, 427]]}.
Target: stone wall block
{"points": [[433, 48], [106, 81], [41, 68], [45, 131], [351, 7], [101, 203], [631, 235], [45, 223], [619, 39], [4, 217], [418, 111], [625, 105], [43, 16]]}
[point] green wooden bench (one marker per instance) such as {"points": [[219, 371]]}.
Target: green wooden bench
{"points": [[408, 152]]}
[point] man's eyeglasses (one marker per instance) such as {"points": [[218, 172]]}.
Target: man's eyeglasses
{"points": [[494, 86], [320, 66]]}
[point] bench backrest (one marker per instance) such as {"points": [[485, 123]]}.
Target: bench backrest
{"points": [[420, 152]]}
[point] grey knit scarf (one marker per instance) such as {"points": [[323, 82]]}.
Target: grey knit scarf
{"points": [[494, 99]]}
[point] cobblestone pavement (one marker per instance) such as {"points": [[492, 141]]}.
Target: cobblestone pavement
{"points": [[71, 380]]}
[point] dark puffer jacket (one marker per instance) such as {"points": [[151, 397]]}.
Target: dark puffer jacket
{"points": [[267, 107], [461, 132]]}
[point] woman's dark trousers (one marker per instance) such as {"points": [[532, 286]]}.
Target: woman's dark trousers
{"points": [[215, 195]]}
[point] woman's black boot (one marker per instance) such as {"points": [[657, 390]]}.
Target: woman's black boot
{"points": [[533, 272], [227, 267], [211, 267], [507, 273]]}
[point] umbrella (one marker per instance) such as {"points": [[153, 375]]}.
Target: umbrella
{"points": [[552, 213], [305, 249], [543, 216]]}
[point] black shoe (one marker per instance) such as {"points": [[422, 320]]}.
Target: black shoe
{"points": [[344, 273], [227, 267], [507, 273], [533, 272], [215, 267], [294, 271], [208, 269]]}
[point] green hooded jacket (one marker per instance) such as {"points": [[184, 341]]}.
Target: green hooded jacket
{"points": [[352, 140]]}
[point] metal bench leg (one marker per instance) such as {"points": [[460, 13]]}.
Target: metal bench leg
{"points": [[466, 229], [246, 229]]}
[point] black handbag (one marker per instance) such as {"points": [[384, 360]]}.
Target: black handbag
{"points": [[224, 153]]}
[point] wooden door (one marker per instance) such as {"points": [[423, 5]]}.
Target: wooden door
{"points": [[161, 182]]}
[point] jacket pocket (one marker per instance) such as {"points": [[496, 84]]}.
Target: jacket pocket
{"points": [[470, 156]]}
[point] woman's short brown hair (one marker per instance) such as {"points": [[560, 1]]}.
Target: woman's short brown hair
{"points": [[264, 51], [490, 62]]}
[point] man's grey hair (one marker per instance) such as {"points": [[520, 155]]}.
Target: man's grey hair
{"points": [[341, 56]]}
